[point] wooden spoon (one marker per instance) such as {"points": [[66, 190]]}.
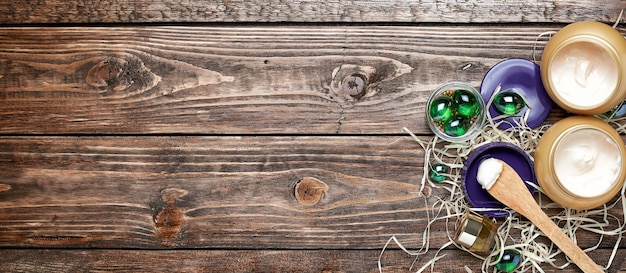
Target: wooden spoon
{"points": [[511, 191]]}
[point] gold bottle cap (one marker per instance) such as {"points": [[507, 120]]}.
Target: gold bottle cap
{"points": [[468, 231]]}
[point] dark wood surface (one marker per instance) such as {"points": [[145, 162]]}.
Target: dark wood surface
{"points": [[240, 80], [218, 136]]}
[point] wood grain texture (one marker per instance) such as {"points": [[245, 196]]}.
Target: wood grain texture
{"points": [[170, 11], [189, 261], [244, 80], [215, 192]]}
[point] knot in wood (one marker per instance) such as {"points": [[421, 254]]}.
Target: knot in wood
{"points": [[122, 72], [170, 220], [310, 191], [104, 73], [352, 82], [354, 85]]}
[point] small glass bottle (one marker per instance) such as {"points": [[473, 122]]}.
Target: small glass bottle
{"points": [[476, 233]]}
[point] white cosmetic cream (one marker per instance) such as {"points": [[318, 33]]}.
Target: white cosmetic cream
{"points": [[580, 162], [488, 172], [584, 74], [587, 162]]}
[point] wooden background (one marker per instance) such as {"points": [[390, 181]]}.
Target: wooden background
{"points": [[247, 136]]}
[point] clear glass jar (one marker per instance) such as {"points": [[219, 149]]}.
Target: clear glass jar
{"points": [[455, 112]]}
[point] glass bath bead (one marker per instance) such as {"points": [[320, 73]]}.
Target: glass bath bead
{"points": [[511, 260], [508, 103], [438, 172], [441, 109], [467, 103], [457, 126]]}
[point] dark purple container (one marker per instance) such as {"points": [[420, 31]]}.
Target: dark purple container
{"points": [[524, 77], [507, 152]]}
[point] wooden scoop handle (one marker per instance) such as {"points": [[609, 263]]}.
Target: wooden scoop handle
{"points": [[511, 191]]}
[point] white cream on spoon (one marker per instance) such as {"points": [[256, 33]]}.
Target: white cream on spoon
{"points": [[488, 172]]}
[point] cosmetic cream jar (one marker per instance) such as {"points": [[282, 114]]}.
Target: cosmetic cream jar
{"points": [[584, 66], [476, 233], [580, 162]]}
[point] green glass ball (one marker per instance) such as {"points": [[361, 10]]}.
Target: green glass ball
{"points": [[438, 172], [457, 126], [441, 109], [508, 103], [467, 103], [511, 260]]}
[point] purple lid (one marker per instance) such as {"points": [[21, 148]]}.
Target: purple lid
{"points": [[507, 152], [525, 77]]}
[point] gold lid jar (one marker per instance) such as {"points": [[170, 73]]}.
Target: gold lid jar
{"points": [[476, 233], [584, 66], [580, 162]]}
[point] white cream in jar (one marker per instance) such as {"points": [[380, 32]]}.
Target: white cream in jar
{"points": [[587, 162], [584, 74], [580, 162]]}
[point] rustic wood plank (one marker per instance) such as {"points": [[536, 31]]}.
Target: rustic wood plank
{"points": [[456, 11], [239, 80], [247, 261], [216, 261], [216, 192]]}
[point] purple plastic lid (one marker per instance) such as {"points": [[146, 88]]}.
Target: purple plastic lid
{"points": [[524, 77], [507, 152]]}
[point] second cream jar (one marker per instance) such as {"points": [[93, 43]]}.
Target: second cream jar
{"points": [[580, 162]]}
